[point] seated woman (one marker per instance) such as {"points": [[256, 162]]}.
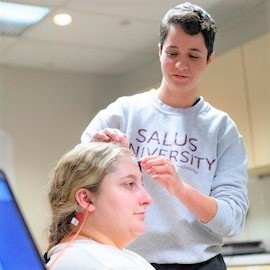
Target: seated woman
{"points": [[98, 206]]}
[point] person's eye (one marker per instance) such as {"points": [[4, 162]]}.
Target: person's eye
{"points": [[130, 185], [194, 56], [172, 54]]}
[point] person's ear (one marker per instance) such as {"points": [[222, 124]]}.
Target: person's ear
{"points": [[211, 57], [84, 198]]}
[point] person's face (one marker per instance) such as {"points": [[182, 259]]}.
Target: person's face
{"points": [[183, 61], [119, 208]]}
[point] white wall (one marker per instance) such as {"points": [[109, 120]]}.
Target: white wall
{"points": [[258, 218], [45, 114], [7, 157], [1, 95], [141, 79]]}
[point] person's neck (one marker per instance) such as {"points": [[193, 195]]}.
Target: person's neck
{"points": [[99, 238], [178, 100]]}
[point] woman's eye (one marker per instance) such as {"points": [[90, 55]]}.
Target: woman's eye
{"points": [[130, 185], [171, 54], [194, 56]]}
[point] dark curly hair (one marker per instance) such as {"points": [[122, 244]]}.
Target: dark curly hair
{"points": [[193, 19]]}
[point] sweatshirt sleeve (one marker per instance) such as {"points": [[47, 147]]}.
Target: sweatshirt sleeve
{"points": [[110, 117], [229, 186]]}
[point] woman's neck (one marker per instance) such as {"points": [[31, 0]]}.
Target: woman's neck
{"points": [[178, 100], [99, 238]]}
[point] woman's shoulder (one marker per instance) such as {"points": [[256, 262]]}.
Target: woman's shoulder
{"points": [[96, 256], [129, 104], [76, 256], [218, 115]]}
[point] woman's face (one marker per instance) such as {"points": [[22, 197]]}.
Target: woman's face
{"points": [[119, 208], [183, 61]]}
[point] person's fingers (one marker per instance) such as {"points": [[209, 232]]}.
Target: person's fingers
{"points": [[124, 141], [161, 169], [101, 136], [114, 135], [152, 161]]}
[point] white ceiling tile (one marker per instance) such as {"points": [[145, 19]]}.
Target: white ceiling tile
{"points": [[149, 10], [97, 43], [97, 31], [59, 57], [41, 2], [6, 43]]}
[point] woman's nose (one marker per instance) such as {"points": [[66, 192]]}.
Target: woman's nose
{"points": [[146, 198], [181, 65]]}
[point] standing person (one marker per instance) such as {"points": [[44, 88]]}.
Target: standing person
{"points": [[192, 153], [98, 206]]}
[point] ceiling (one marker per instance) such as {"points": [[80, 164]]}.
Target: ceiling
{"points": [[118, 36]]}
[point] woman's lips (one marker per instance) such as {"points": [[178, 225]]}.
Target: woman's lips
{"points": [[140, 215], [181, 77]]}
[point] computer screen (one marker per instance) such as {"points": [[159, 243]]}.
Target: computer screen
{"points": [[17, 248]]}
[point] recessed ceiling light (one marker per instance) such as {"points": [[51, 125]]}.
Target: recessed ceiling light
{"points": [[62, 19]]}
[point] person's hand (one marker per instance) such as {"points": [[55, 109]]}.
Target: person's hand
{"points": [[162, 170], [111, 135]]}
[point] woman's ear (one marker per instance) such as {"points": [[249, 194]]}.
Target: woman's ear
{"points": [[84, 199]]}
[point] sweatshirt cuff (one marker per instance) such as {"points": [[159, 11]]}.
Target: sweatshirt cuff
{"points": [[221, 222]]}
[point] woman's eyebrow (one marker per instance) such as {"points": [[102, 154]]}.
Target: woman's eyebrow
{"points": [[196, 50], [131, 176]]}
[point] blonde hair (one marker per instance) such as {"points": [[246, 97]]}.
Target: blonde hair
{"points": [[83, 167]]}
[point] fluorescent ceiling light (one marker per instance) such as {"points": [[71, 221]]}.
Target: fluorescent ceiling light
{"points": [[15, 16], [18, 13]]}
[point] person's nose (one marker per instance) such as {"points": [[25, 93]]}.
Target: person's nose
{"points": [[181, 65], [145, 198]]}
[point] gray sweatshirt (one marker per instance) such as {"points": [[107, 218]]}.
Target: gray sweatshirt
{"points": [[208, 153]]}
